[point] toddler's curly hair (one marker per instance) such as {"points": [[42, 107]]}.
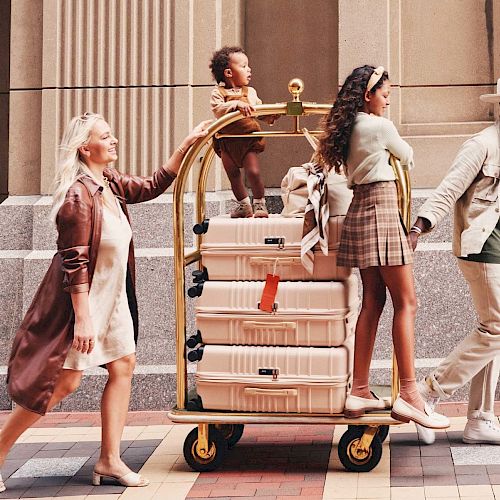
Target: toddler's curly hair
{"points": [[220, 61]]}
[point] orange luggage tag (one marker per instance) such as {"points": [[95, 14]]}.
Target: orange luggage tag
{"points": [[269, 293]]}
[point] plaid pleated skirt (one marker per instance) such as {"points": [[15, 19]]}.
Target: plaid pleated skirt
{"points": [[373, 233]]}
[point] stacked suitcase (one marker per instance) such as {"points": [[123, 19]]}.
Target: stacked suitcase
{"points": [[295, 359]]}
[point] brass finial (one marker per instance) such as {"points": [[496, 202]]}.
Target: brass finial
{"points": [[296, 87]]}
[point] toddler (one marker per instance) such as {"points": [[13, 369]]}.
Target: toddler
{"points": [[232, 73]]}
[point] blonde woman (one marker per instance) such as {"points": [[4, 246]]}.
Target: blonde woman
{"points": [[84, 313]]}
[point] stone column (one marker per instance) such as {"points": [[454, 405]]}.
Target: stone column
{"points": [[143, 64]]}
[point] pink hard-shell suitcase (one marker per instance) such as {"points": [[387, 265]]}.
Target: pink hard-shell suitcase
{"points": [[306, 313], [249, 249], [273, 379]]}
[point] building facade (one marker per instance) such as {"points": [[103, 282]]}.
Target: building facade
{"points": [[143, 64]]}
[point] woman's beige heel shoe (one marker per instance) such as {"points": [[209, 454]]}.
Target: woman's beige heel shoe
{"points": [[2, 484], [131, 479]]}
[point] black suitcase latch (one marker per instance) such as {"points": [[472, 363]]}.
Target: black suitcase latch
{"points": [[280, 241], [270, 371]]}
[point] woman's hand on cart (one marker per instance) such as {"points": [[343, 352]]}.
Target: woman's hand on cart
{"points": [[200, 130]]}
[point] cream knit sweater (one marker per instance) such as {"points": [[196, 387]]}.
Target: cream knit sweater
{"points": [[373, 139]]}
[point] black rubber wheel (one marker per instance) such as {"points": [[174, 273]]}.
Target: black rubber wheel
{"points": [[232, 433], [217, 447], [382, 433], [346, 448]]}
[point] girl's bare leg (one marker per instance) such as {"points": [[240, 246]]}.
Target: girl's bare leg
{"points": [[114, 409], [374, 296], [21, 419], [399, 281]]}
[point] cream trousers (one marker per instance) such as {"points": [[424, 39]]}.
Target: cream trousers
{"points": [[476, 358]]}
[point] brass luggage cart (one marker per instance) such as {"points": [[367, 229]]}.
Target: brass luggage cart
{"points": [[205, 447]]}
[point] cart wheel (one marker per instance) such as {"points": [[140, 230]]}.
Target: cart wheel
{"points": [[217, 449], [383, 431], [232, 433], [356, 460]]}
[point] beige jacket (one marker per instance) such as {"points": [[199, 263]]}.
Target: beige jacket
{"points": [[472, 186]]}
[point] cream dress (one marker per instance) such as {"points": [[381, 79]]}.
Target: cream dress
{"points": [[109, 310]]}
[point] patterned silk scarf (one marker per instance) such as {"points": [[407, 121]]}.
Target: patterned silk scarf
{"points": [[317, 212]]}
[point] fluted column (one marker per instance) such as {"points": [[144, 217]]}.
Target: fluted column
{"points": [[143, 64]]}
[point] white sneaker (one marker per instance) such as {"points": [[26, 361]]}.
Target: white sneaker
{"points": [[404, 412], [430, 397], [481, 431]]}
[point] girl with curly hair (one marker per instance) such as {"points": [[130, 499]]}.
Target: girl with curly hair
{"points": [[359, 140]]}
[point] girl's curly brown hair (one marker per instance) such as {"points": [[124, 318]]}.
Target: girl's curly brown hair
{"points": [[338, 124], [220, 61]]}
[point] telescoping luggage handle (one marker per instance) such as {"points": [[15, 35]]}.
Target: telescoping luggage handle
{"points": [[258, 391], [279, 261], [281, 326]]}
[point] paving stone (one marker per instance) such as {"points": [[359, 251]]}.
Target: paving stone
{"points": [[440, 480], [145, 443], [471, 469], [51, 481], [473, 479], [405, 461], [407, 471], [57, 446], [476, 455], [75, 490], [435, 451], [407, 481], [43, 467], [43, 492]]}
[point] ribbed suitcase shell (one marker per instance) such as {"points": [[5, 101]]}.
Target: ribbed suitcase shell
{"points": [[236, 249], [310, 313], [306, 380]]}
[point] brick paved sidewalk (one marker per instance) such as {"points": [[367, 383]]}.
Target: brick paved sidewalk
{"points": [[55, 459]]}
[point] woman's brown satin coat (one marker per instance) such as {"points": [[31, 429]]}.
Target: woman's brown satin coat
{"points": [[46, 332]]}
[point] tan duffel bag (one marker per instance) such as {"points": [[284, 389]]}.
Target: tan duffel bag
{"points": [[294, 192], [294, 188]]}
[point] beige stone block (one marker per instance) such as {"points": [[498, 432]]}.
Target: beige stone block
{"points": [[26, 44], [205, 39], [359, 42], [232, 22], [4, 47], [4, 143], [444, 104], [309, 30], [437, 51], [286, 40], [24, 142], [433, 158]]}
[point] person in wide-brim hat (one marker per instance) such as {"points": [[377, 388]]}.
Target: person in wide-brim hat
{"points": [[471, 186]]}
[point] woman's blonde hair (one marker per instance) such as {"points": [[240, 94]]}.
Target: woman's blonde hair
{"points": [[69, 164]]}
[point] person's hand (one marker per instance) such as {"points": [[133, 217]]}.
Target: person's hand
{"points": [[200, 130], [413, 239], [245, 109], [83, 337], [270, 119]]}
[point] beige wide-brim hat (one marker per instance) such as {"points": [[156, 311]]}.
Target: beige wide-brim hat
{"points": [[492, 97]]}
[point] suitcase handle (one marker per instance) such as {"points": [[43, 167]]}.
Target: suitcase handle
{"points": [[278, 325], [280, 261], [257, 391]]}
